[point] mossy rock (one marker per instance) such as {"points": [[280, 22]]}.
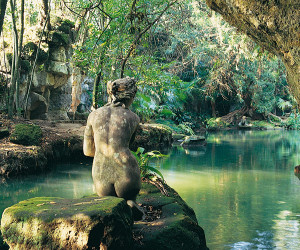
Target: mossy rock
{"points": [[26, 134], [25, 66], [29, 53], [56, 223], [58, 38], [152, 137], [66, 26], [193, 140], [177, 226]]}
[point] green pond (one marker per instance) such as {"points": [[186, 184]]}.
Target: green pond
{"points": [[241, 186]]}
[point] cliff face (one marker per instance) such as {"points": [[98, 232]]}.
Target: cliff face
{"points": [[273, 24]]}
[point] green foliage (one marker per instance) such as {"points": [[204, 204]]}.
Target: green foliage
{"points": [[186, 128], [25, 66], [216, 124], [144, 159], [29, 53], [284, 105], [26, 134], [262, 125], [293, 122], [58, 38]]}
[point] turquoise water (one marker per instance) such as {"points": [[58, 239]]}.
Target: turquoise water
{"points": [[241, 186]]}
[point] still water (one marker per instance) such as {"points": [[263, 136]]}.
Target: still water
{"points": [[241, 186]]}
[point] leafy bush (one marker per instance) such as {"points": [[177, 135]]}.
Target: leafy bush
{"points": [[186, 128], [293, 122], [215, 124], [26, 134], [143, 160]]}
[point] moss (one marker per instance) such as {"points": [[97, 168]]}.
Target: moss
{"points": [[3, 245], [29, 53], [58, 38], [26, 134], [25, 66], [106, 219], [66, 26]]}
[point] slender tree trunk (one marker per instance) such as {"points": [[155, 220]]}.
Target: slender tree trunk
{"points": [[18, 107], [3, 4], [213, 108], [96, 89], [45, 14], [15, 63]]}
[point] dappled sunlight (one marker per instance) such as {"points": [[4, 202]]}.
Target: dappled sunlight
{"points": [[287, 230]]}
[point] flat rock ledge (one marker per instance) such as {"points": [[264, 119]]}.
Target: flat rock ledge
{"points": [[103, 223], [56, 223]]}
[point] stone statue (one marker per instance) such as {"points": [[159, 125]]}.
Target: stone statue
{"points": [[107, 135], [243, 121]]}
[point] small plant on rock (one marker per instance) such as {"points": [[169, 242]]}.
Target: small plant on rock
{"points": [[143, 159]]}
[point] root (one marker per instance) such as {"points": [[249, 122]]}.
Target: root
{"points": [[235, 116]]}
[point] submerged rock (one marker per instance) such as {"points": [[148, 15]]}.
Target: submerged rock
{"points": [[56, 223], [194, 140]]}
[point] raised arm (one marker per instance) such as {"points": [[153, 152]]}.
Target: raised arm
{"points": [[88, 142]]}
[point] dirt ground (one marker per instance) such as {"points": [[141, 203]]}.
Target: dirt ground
{"points": [[52, 131]]}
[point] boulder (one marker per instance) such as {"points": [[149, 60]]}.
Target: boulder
{"points": [[194, 140], [56, 223], [58, 54], [152, 136], [58, 68]]}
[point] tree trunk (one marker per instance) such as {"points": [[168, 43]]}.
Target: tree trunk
{"points": [[3, 4], [45, 15], [96, 89], [15, 63], [213, 108], [18, 107]]}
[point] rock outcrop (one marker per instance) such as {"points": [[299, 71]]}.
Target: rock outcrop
{"points": [[273, 24], [56, 83], [56, 223]]}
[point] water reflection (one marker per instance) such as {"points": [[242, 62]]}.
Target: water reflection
{"points": [[239, 185]]}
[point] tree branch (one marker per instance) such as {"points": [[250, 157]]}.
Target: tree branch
{"points": [[134, 43]]}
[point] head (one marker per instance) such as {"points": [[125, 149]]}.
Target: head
{"points": [[122, 90]]}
